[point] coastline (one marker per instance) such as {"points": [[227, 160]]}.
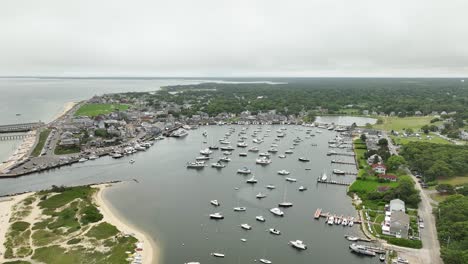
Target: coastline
{"points": [[150, 253], [21, 152], [6, 204], [67, 107]]}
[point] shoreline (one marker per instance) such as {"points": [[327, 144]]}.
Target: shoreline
{"points": [[21, 153], [150, 253], [67, 107]]}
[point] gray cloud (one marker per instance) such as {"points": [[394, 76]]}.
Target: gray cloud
{"points": [[234, 38]]}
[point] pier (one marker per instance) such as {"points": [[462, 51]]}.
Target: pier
{"points": [[14, 137], [340, 154], [333, 182], [25, 127], [343, 162]]}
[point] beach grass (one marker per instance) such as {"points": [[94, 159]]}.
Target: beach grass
{"points": [[400, 123], [93, 110], [41, 142]]}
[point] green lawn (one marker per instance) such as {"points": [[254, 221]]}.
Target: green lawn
{"points": [[40, 144], [61, 150], [92, 110], [400, 140], [399, 123], [369, 185]]}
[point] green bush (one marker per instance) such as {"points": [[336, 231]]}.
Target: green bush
{"points": [[20, 226], [405, 242], [90, 214]]}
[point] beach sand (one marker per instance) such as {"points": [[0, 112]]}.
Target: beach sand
{"points": [[6, 203], [67, 107], [150, 253], [22, 152]]}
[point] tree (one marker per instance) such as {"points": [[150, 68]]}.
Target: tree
{"points": [[383, 142], [445, 188], [409, 131], [394, 162], [363, 137]]}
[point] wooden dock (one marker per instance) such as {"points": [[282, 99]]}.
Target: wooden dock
{"points": [[343, 162], [333, 182], [341, 154]]}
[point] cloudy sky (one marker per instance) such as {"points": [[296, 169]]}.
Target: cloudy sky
{"points": [[234, 38]]}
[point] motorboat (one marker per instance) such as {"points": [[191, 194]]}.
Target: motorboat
{"points": [[282, 156], [213, 147], [302, 188], [298, 244], [253, 149], [246, 226], [263, 161], [257, 140], [244, 170], [179, 133], [382, 257], [217, 255], [202, 158], [283, 172], [196, 165], [260, 195], [252, 180], [82, 160], [131, 161], [260, 218], [360, 249], [205, 133], [338, 172], [227, 153], [288, 151], [304, 159], [323, 177], [273, 150], [264, 154], [344, 222], [330, 220], [228, 148], [277, 211], [216, 216], [242, 145], [206, 151], [218, 165], [274, 231], [215, 202], [225, 159], [242, 154], [352, 238], [240, 209], [224, 142], [270, 187], [265, 261], [290, 179]]}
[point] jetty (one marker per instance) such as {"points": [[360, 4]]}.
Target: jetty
{"points": [[15, 137], [25, 127], [332, 153], [333, 182], [343, 162]]}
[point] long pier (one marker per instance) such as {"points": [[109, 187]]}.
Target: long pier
{"points": [[14, 137], [25, 127], [333, 182], [343, 162], [341, 154]]}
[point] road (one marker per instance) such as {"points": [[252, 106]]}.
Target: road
{"points": [[430, 253]]}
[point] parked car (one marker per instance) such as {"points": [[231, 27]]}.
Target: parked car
{"points": [[421, 225]]}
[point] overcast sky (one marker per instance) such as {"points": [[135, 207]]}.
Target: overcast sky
{"points": [[234, 38]]}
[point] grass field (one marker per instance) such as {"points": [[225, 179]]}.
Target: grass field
{"points": [[61, 150], [40, 144], [434, 139], [370, 185], [454, 181], [92, 110], [399, 123]]}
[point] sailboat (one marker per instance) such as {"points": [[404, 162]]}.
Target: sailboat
{"points": [[284, 203]]}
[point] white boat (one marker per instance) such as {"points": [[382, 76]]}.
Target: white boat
{"points": [[282, 156], [243, 240], [206, 151], [225, 159], [93, 157], [277, 211], [196, 165], [246, 226], [285, 204], [244, 170], [352, 238], [382, 257], [288, 151], [213, 147], [360, 249], [330, 220], [270, 187], [304, 159], [274, 231], [273, 150], [228, 148], [260, 218], [224, 142], [217, 165], [260, 195], [242, 145], [227, 153], [202, 158], [265, 261], [257, 140], [351, 223], [338, 172], [253, 149], [264, 154], [252, 180], [217, 255], [283, 172], [179, 133], [263, 161], [302, 188], [298, 244], [242, 154], [344, 222], [216, 216], [290, 179], [191, 262], [240, 209], [323, 177], [215, 202], [82, 160]]}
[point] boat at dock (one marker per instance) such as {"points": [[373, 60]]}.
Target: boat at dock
{"points": [[196, 165], [228, 148], [179, 133], [290, 179], [352, 238], [302, 188], [361, 249], [242, 145], [202, 158], [82, 160], [225, 159], [382, 257], [213, 147], [206, 151], [318, 212], [242, 154], [331, 220], [338, 172]]}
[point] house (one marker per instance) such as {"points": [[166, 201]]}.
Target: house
{"points": [[397, 205], [365, 112], [398, 225], [372, 158], [388, 177], [69, 141], [379, 168]]}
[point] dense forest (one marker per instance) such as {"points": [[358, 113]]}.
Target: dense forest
{"points": [[452, 229], [436, 160], [404, 96]]}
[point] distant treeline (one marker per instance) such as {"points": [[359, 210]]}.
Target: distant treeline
{"points": [[334, 94], [434, 160]]}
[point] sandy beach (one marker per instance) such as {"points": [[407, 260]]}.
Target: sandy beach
{"points": [[6, 203], [150, 252], [22, 152], [67, 107]]}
